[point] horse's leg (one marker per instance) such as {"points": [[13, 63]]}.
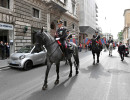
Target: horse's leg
{"points": [[98, 54], [57, 71], [93, 58], [66, 62], [70, 63], [111, 52], [46, 76], [76, 60]]}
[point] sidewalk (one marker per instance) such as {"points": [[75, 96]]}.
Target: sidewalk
{"points": [[3, 63]]}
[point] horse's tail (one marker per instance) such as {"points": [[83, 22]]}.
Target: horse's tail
{"points": [[76, 57]]}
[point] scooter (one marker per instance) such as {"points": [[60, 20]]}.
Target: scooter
{"points": [[126, 51]]}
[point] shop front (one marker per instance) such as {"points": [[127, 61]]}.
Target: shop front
{"points": [[6, 35]]}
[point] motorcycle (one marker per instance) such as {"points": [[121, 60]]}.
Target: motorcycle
{"points": [[126, 51]]}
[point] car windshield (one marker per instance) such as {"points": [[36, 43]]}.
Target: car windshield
{"points": [[25, 49]]}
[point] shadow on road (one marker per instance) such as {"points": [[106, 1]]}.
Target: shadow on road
{"points": [[59, 92], [95, 71], [124, 62]]}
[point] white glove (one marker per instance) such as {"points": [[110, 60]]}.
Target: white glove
{"points": [[57, 38]]}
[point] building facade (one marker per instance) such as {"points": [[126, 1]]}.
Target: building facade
{"points": [[65, 10], [107, 35], [126, 30], [21, 19], [87, 19]]}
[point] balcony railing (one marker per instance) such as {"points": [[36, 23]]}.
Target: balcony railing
{"points": [[56, 4]]}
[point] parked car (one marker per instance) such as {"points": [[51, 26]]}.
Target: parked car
{"points": [[126, 50], [27, 57]]}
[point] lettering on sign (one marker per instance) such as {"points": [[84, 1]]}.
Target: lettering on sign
{"points": [[6, 26]]}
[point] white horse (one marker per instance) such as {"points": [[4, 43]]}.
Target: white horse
{"points": [[110, 49]]}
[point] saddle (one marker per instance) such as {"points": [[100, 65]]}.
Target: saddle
{"points": [[68, 49]]}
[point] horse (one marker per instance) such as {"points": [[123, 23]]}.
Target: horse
{"points": [[110, 49], [55, 55], [96, 48]]}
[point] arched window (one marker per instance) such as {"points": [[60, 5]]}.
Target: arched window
{"points": [[53, 26]]}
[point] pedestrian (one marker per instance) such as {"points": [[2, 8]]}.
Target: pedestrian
{"points": [[121, 50], [2, 49], [80, 47], [7, 50]]}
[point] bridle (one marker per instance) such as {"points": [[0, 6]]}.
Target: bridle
{"points": [[48, 45]]}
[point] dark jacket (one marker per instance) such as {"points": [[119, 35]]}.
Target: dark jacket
{"points": [[61, 33], [121, 48], [2, 47], [110, 41], [97, 37]]}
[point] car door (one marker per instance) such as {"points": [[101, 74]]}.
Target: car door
{"points": [[38, 56]]}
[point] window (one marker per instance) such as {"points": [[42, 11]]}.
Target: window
{"points": [[73, 8], [65, 23], [4, 3], [73, 26], [35, 13]]}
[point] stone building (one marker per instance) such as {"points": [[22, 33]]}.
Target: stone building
{"points": [[126, 30], [21, 19], [66, 10], [87, 19]]}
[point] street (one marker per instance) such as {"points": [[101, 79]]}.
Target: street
{"points": [[108, 80]]}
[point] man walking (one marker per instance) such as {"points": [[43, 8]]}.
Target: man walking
{"points": [[121, 50]]}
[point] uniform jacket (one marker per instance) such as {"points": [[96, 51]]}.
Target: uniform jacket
{"points": [[61, 33], [110, 41]]}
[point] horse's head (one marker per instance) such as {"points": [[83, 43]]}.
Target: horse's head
{"points": [[43, 38]]}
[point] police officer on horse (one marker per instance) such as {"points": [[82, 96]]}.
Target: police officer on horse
{"points": [[110, 43], [110, 40], [61, 36], [96, 47]]}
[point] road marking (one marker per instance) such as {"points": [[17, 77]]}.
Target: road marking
{"points": [[109, 87], [4, 68]]}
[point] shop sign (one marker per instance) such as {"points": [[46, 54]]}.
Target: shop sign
{"points": [[6, 26]]}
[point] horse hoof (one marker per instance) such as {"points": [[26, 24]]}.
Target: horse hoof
{"points": [[44, 87], [77, 72], [56, 82], [70, 75]]}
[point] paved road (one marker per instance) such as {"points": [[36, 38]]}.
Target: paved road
{"points": [[109, 80]]}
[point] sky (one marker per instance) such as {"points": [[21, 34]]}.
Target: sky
{"points": [[110, 15]]}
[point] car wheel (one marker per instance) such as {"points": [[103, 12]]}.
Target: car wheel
{"points": [[28, 65]]}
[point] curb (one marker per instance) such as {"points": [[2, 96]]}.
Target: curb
{"points": [[4, 67]]}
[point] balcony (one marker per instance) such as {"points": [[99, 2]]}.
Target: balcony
{"points": [[56, 4]]}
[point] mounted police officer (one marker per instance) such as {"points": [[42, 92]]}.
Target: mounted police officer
{"points": [[61, 36], [68, 35], [110, 40]]}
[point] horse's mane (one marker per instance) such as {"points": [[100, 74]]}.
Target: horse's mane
{"points": [[49, 36]]}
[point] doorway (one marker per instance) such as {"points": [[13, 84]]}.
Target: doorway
{"points": [[4, 36]]}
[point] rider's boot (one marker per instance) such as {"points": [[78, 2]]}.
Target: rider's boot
{"points": [[66, 52]]}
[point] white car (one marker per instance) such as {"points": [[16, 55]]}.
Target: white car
{"points": [[27, 57]]}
